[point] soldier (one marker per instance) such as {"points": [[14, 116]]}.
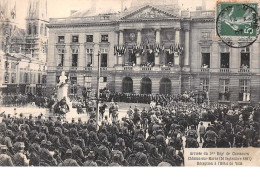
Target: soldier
{"points": [[19, 158], [5, 160], [90, 160], [69, 161]]}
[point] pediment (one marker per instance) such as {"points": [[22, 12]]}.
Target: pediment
{"points": [[148, 12]]}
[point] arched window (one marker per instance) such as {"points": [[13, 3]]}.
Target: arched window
{"points": [[127, 85], [146, 86], [165, 86]]}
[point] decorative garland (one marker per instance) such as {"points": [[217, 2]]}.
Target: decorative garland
{"points": [[119, 50]]}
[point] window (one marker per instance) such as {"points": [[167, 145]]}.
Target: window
{"points": [[6, 64], [169, 58], [104, 79], [26, 79], [88, 81], [204, 82], [103, 60], [206, 36], [74, 57], [244, 94], [224, 60], [75, 38], [224, 89], [89, 38], [89, 57], [104, 38], [73, 81], [39, 78], [13, 78], [13, 65], [61, 39], [21, 77], [132, 57], [61, 53], [44, 79], [104, 52], [6, 77], [245, 58], [205, 60]]}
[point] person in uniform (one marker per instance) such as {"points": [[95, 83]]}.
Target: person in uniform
{"points": [[5, 160], [20, 158], [90, 160], [69, 161]]}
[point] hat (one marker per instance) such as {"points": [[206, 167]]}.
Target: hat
{"points": [[69, 151]]}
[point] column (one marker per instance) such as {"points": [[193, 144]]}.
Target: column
{"points": [[186, 48], [177, 41], [138, 42], [121, 43], [158, 41]]}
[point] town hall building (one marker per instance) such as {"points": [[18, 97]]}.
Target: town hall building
{"points": [[155, 48]]}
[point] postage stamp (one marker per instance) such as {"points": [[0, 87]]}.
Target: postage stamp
{"points": [[237, 23]]}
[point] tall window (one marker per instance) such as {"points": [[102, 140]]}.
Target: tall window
{"points": [[89, 57], [104, 52], [224, 89], [104, 38], [89, 38], [61, 39], [224, 60], [205, 61], [74, 57], [39, 78], [132, 57], [169, 59], [244, 94], [204, 82], [88, 81], [245, 58], [75, 38], [13, 78], [73, 88], [61, 53], [26, 78], [6, 77]]}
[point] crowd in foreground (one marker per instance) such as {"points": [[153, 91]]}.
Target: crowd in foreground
{"points": [[144, 137]]}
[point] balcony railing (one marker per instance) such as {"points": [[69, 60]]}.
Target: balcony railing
{"points": [[88, 68], [204, 69], [103, 68], [165, 68], [224, 70], [146, 68], [128, 68], [244, 97], [244, 70]]}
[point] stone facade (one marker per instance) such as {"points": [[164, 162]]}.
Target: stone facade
{"points": [[204, 64]]}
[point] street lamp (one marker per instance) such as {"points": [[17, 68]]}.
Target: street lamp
{"points": [[98, 78]]}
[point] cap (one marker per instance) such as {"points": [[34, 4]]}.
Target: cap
{"points": [[69, 151]]}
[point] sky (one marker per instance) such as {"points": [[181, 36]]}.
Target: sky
{"points": [[62, 8]]}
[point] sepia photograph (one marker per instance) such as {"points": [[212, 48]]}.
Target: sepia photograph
{"points": [[124, 83]]}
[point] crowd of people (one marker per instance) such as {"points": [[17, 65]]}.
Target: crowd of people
{"points": [[144, 137]]}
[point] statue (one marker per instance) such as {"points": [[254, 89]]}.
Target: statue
{"points": [[62, 79]]}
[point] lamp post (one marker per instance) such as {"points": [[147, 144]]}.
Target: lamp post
{"points": [[98, 78]]}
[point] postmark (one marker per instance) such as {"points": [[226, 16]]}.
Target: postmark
{"points": [[237, 24]]}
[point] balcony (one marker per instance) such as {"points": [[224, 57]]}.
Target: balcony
{"points": [[128, 68], [103, 68], [244, 70], [224, 70], [146, 68], [88, 68], [204, 69], [165, 68]]}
